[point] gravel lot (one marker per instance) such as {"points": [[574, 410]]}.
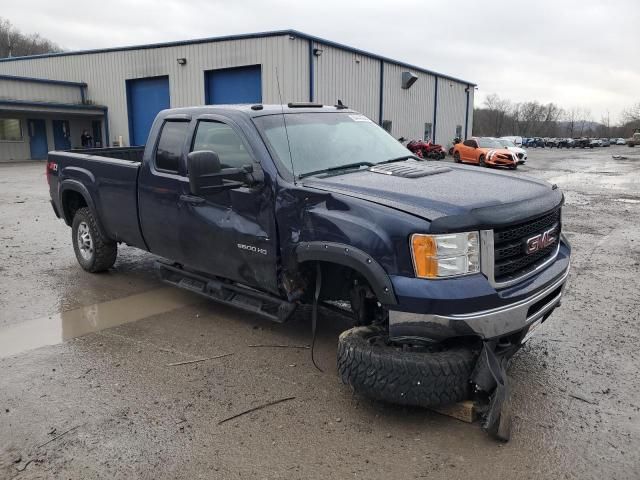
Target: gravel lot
{"points": [[89, 387]]}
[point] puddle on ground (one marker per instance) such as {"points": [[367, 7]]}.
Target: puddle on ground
{"points": [[57, 328]]}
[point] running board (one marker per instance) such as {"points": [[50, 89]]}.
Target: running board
{"points": [[232, 294]]}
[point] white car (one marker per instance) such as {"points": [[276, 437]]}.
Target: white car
{"points": [[520, 152], [517, 141], [620, 141]]}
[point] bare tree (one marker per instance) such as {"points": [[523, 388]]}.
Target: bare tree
{"points": [[14, 43], [498, 109]]}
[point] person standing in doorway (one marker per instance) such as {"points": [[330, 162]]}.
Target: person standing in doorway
{"points": [[85, 139]]}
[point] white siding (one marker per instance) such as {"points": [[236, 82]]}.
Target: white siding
{"points": [[352, 78], [39, 92], [106, 72], [408, 109], [452, 102]]}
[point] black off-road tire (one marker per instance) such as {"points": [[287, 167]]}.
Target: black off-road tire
{"points": [[384, 372], [103, 252]]}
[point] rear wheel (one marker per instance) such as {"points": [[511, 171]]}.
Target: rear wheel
{"points": [[456, 157], [374, 367], [93, 252]]}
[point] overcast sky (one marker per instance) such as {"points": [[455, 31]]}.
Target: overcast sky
{"points": [[580, 53]]}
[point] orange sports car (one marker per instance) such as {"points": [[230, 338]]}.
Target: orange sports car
{"points": [[485, 152]]}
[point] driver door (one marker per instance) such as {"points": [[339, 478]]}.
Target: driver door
{"points": [[468, 150], [230, 233]]}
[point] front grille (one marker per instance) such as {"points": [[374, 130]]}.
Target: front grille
{"points": [[521, 156], [510, 257]]}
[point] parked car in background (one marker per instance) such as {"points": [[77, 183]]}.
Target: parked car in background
{"points": [[484, 151], [517, 140], [566, 143], [634, 140], [536, 142], [605, 142], [595, 142], [582, 142], [612, 141], [620, 141], [520, 152], [551, 142]]}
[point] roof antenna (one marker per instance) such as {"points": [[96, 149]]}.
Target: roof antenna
{"points": [[340, 105], [284, 121]]}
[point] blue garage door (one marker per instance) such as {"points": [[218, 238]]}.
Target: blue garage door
{"points": [[145, 98], [233, 85]]}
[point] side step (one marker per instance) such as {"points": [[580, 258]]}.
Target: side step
{"points": [[232, 294]]}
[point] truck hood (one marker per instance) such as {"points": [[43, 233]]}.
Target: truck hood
{"points": [[452, 197]]}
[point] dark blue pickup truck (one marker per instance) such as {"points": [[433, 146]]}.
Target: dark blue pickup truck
{"points": [[446, 269]]}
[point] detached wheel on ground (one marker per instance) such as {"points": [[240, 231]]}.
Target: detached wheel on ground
{"points": [[93, 252], [376, 369]]}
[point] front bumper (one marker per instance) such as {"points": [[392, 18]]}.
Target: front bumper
{"points": [[477, 309]]}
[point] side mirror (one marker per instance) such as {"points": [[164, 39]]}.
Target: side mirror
{"points": [[204, 171]]}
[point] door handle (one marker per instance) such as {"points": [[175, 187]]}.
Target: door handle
{"points": [[191, 199]]}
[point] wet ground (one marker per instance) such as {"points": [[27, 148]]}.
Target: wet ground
{"points": [[98, 379]]}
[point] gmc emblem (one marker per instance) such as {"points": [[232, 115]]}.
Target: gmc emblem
{"points": [[540, 241]]}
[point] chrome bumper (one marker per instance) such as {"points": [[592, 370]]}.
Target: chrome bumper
{"points": [[485, 324]]}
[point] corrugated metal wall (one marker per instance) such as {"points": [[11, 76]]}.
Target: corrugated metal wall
{"points": [[106, 72], [352, 78], [39, 92], [452, 103], [338, 74], [407, 109]]}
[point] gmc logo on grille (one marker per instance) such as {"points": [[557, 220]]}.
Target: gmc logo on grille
{"points": [[540, 241]]}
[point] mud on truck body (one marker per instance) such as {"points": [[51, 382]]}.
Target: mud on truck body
{"points": [[447, 268]]}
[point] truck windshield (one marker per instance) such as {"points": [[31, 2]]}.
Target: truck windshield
{"points": [[327, 141]]}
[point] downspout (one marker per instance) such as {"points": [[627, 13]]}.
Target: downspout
{"points": [[435, 111], [106, 127], [466, 115], [380, 108], [311, 72], [83, 97]]}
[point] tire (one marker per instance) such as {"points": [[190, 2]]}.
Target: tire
{"points": [[481, 161], [93, 252], [456, 157], [386, 373]]}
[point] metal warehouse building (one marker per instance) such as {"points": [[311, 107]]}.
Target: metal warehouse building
{"points": [[46, 101]]}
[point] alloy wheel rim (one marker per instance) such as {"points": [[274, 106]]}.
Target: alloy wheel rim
{"points": [[85, 242]]}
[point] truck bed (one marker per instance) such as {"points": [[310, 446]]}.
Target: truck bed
{"points": [[133, 154], [109, 176]]}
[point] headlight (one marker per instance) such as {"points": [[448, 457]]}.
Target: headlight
{"points": [[446, 255]]}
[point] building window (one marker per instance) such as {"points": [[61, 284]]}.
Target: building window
{"points": [[386, 124], [169, 150], [10, 130], [427, 131], [458, 131]]}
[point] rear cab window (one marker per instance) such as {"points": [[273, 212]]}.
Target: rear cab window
{"points": [[170, 146]]}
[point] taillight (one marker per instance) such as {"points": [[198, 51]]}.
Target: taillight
{"points": [[51, 167]]}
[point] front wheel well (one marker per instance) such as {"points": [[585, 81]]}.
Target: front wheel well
{"points": [[343, 287], [72, 201]]}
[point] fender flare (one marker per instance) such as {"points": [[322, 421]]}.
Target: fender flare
{"points": [[353, 258], [76, 186]]}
